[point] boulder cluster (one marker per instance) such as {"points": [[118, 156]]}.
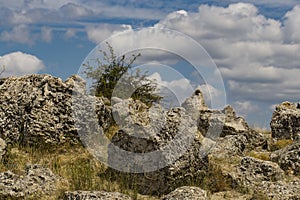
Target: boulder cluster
{"points": [[187, 152]]}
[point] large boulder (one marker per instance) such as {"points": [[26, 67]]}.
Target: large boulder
{"points": [[37, 109], [95, 195], [37, 181], [267, 178], [288, 158], [285, 123], [280, 190], [253, 171], [187, 192]]}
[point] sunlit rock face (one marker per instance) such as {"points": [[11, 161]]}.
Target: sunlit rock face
{"points": [[38, 109]]}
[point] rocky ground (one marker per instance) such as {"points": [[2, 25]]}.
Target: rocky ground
{"points": [[203, 153]]}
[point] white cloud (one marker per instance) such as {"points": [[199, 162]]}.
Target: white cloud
{"points": [[173, 91], [213, 96], [237, 22], [73, 11], [291, 25], [101, 32], [20, 34], [178, 89], [70, 33], [258, 56], [46, 34], [244, 108], [18, 63]]}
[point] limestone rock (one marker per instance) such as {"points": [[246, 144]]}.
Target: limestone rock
{"points": [[37, 109], [254, 171], [195, 102], [216, 123], [37, 181], [186, 192], [168, 142], [288, 158], [281, 190], [285, 123], [233, 123], [95, 195], [228, 146]]}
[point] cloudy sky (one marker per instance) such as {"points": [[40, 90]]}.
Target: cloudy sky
{"points": [[254, 44]]}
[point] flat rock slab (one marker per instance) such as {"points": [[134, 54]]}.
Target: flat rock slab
{"points": [[95, 195]]}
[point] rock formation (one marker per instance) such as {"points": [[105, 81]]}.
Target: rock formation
{"points": [[185, 192], [288, 158], [36, 181], [157, 150], [285, 123], [146, 130], [173, 137], [37, 109]]}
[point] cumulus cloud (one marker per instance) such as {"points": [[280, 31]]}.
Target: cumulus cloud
{"points": [[174, 91], [70, 33], [102, 32], [177, 89], [46, 34], [243, 108], [73, 11], [214, 97], [257, 56], [18, 63], [291, 25], [20, 34]]}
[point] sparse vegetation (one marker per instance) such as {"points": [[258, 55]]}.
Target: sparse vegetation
{"points": [[73, 163]]}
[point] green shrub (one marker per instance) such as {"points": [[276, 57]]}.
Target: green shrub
{"points": [[111, 69]]}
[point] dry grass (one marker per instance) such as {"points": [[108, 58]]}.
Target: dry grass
{"points": [[72, 163], [259, 155], [280, 144]]}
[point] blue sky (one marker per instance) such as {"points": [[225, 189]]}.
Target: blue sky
{"points": [[255, 44]]}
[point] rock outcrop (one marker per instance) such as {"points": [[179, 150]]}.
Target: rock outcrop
{"points": [[155, 150], [173, 137], [37, 181], [186, 192], [95, 195], [253, 171], [219, 123], [288, 158], [146, 130], [37, 109], [285, 123]]}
